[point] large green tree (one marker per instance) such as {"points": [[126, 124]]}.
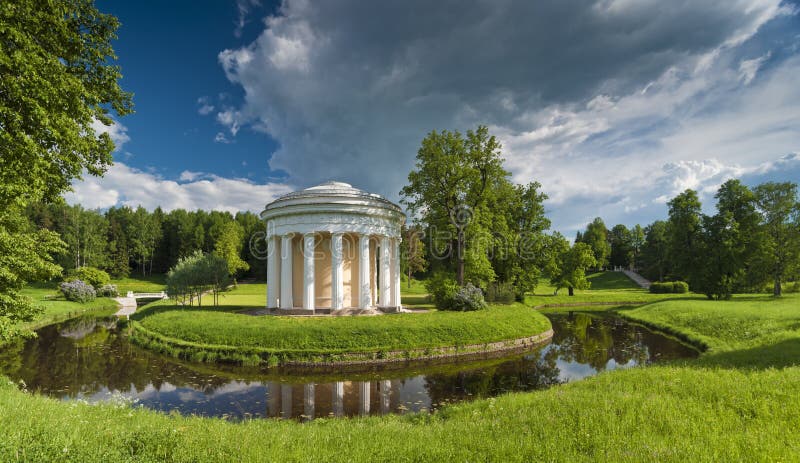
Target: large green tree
{"points": [[684, 230], [229, 247], [655, 251], [569, 264], [596, 236], [57, 79], [778, 205], [452, 181]]}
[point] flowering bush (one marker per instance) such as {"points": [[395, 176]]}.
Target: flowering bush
{"points": [[108, 291], [469, 298], [77, 291]]}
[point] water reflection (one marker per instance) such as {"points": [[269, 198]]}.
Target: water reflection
{"points": [[89, 358]]}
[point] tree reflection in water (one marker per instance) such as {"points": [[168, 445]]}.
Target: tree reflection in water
{"points": [[89, 358]]}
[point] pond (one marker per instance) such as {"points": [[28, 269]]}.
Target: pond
{"points": [[90, 359]]}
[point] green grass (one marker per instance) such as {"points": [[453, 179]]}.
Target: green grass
{"points": [[728, 405], [606, 287], [190, 329], [56, 308], [141, 284]]}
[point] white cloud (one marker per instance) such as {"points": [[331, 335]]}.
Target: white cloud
{"points": [[188, 176], [124, 185], [117, 132], [611, 105], [204, 106], [749, 67], [221, 138]]}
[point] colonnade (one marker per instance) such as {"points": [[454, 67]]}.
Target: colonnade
{"points": [[364, 271]]}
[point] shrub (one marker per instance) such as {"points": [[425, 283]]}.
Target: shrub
{"points": [[503, 293], [90, 275], [442, 288], [108, 291], [78, 291], [469, 298], [677, 287], [680, 287]]}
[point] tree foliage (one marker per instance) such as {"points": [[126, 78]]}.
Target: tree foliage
{"points": [[479, 225], [228, 245], [57, 79], [195, 275], [780, 212], [596, 236], [567, 268]]}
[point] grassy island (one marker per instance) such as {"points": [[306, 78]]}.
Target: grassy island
{"points": [[225, 334]]}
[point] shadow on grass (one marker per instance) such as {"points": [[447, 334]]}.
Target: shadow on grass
{"points": [[780, 354]]}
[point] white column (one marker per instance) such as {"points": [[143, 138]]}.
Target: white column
{"points": [[385, 286], [308, 399], [396, 273], [338, 398], [273, 281], [337, 272], [363, 398], [363, 272], [385, 387], [286, 401], [286, 272], [309, 301]]}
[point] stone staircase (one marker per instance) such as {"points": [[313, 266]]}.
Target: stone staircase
{"points": [[638, 279]]}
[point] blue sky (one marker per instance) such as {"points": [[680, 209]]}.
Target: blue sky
{"points": [[613, 105]]}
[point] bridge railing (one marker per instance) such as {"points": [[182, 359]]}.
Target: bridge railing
{"points": [[160, 295]]}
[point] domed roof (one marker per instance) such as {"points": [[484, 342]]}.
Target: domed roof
{"points": [[331, 192]]}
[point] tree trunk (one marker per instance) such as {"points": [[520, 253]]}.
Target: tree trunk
{"points": [[571, 291], [460, 258], [776, 291], [409, 277]]}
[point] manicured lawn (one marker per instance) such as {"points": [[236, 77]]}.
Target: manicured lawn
{"points": [[57, 308], [141, 284], [607, 287], [752, 330], [728, 405], [305, 337]]}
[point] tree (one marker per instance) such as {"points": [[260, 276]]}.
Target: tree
{"points": [[684, 235], [655, 251], [196, 274], [736, 199], [780, 211], [58, 80], [454, 177], [229, 246], [637, 243], [621, 242], [144, 233], [569, 267], [596, 236], [721, 248], [412, 255]]}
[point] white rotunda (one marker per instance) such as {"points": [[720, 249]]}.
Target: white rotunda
{"points": [[333, 248]]}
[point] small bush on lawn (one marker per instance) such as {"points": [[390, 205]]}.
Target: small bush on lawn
{"points": [[677, 287], [108, 291], [503, 293], [442, 288], [78, 291], [469, 298], [91, 275]]}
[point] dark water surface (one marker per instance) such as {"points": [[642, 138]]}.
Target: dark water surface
{"points": [[89, 359]]}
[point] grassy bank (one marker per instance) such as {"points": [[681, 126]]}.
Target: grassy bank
{"points": [[213, 334], [729, 405], [56, 308], [141, 284]]}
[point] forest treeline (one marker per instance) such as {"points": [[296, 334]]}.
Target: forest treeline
{"points": [[125, 241], [750, 244]]}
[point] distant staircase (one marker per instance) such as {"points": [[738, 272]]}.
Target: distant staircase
{"points": [[638, 279]]}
